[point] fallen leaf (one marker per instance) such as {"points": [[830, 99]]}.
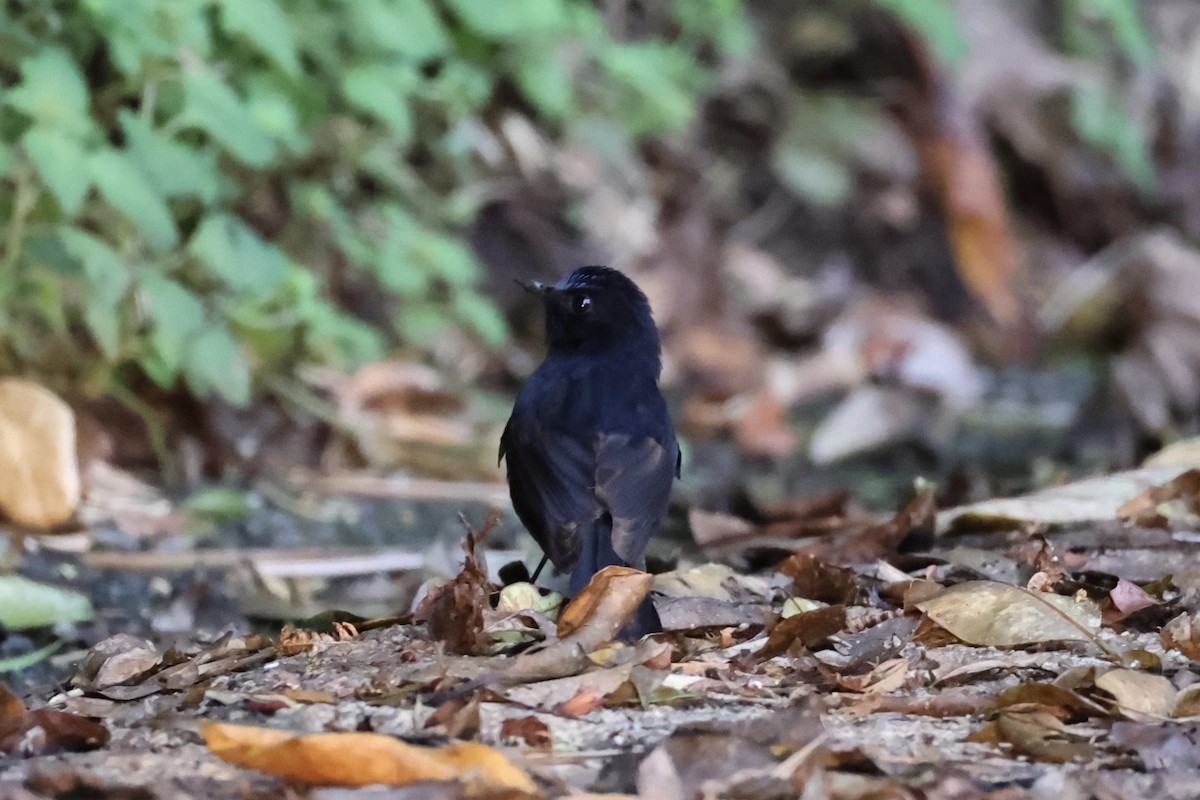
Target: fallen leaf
{"points": [[810, 629], [41, 486], [454, 610], [530, 730], [995, 614], [1038, 734], [44, 731], [1124, 599], [1183, 634], [608, 601], [361, 759], [887, 677], [1139, 695], [1176, 501]]}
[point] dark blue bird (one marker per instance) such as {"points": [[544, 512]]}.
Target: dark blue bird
{"points": [[590, 447]]}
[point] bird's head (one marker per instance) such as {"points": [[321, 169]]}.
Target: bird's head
{"points": [[597, 310]]}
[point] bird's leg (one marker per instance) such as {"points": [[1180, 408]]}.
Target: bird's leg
{"points": [[538, 571]]}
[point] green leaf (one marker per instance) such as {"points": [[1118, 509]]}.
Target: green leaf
{"points": [[177, 314], [104, 325], [26, 660], [517, 18], [52, 90], [482, 316], [339, 339], [173, 168], [107, 282], [62, 164], [447, 258], [215, 363], [423, 323], [545, 82], [221, 504], [27, 604], [107, 274], [381, 91], [125, 186], [935, 22], [276, 114], [408, 28], [263, 23], [216, 109], [238, 256]]}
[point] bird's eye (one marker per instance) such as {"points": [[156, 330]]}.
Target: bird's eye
{"points": [[581, 303]]}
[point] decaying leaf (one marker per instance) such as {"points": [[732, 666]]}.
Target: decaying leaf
{"points": [[608, 601], [1183, 634], [529, 730], [1038, 734], [44, 731], [361, 759], [1139, 695], [809, 629], [1001, 615], [1175, 502], [454, 610], [41, 486]]}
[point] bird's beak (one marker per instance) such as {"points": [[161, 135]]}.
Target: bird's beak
{"points": [[535, 287]]}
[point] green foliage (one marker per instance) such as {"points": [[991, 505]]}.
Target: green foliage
{"points": [[187, 180], [1110, 35]]}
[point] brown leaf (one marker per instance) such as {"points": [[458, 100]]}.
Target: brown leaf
{"points": [[1001, 615], [530, 730], [44, 731], [810, 629], [957, 165], [608, 601], [1156, 506], [887, 677], [914, 522], [1038, 734], [1139, 695], [454, 610], [361, 759], [41, 486], [1183, 634]]}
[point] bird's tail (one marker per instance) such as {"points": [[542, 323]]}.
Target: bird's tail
{"points": [[597, 553]]}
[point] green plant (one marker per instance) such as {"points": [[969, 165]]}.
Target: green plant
{"points": [[188, 182]]}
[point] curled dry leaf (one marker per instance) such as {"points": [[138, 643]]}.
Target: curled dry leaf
{"points": [[604, 606], [1038, 734], [994, 614], [41, 486], [1174, 502], [454, 610], [361, 759], [44, 731], [1139, 695], [530, 730], [1183, 634]]}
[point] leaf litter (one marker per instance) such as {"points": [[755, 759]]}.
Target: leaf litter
{"points": [[884, 645]]}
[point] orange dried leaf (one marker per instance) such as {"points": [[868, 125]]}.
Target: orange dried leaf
{"points": [[360, 759]]}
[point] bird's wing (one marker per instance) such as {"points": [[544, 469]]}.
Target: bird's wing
{"points": [[551, 476], [633, 480]]}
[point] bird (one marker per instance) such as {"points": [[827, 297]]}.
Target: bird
{"points": [[590, 446]]}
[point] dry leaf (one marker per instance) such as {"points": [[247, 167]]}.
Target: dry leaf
{"points": [[1139, 695], [604, 606], [361, 759], [1038, 734], [530, 730], [41, 484], [1183, 634], [44, 731], [1001, 615], [454, 610]]}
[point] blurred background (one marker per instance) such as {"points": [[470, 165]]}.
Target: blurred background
{"points": [[268, 246]]}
